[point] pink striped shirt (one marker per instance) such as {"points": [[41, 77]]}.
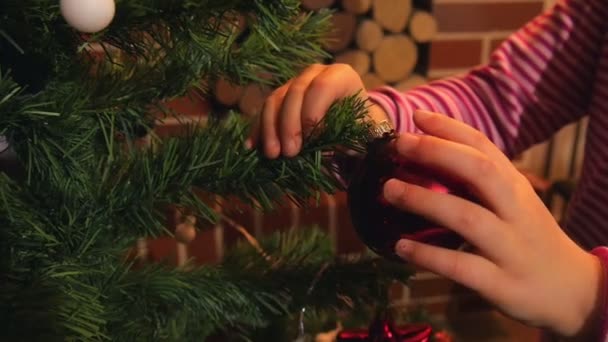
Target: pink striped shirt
{"points": [[552, 72]]}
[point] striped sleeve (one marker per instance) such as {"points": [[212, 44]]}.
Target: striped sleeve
{"points": [[537, 81]]}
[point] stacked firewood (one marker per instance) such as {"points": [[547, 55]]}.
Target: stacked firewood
{"points": [[380, 39]]}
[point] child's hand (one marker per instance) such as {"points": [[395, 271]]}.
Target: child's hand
{"points": [[298, 105], [524, 263]]}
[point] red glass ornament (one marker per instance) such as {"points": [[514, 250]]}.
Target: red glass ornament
{"points": [[442, 336], [383, 329], [378, 223]]}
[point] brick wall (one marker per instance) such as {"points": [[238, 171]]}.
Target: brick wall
{"points": [[468, 31]]}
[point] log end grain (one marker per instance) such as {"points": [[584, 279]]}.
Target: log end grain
{"points": [[395, 58], [359, 60], [423, 26], [393, 15], [369, 35]]}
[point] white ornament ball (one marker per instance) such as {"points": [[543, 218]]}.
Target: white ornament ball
{"points": [[88, 16]]}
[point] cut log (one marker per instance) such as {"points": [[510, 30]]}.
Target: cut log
{"points": [[343, 26], [359, 60], [411, 82], [357, 6], [314, 5], [423, 26], [393, 15], [372, 81], [395, 58], [369, 35], [252, 101], [227, 93]]}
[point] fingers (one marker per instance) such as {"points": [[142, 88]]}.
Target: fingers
{"points": [[324, 91], [485, 177], [276, 133], [474, 223], [271, 107], [267, 124], [296, 107], [291, 115], [447, 128], [470, 270]]}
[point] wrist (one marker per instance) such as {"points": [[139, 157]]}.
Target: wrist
{"points": [[595, 328], [585, 321]]}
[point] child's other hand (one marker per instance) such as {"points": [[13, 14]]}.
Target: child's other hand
{"points": [[524, 263], [298, 105]]}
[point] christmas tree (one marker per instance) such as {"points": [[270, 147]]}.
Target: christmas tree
{"points": [[81, 83]]}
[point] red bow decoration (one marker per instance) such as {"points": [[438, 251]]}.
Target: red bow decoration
{"points": [[383, 329]]}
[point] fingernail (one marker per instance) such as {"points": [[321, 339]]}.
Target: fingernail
{"points": [[272, 148], [291, 148], [404, 248], [393, 190]]}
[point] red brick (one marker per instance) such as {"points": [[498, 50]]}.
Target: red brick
{"points": [[456, 305], [316, 214], [453, 54], [435, 287], [163, 250], [483, 17], [190, 107], [241, 214], [396, 291], [347, 239], [279, 219], [173, 129], [204, 248], [192, 104]]}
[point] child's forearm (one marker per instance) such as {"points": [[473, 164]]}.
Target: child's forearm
{"points": [[536, 82]]}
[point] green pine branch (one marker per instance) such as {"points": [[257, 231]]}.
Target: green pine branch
{"points": [[86, 194], [155, 302], [80, 238], [248, 290], [212, 162], [113, 202], [158, 50], [61, 132]]}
